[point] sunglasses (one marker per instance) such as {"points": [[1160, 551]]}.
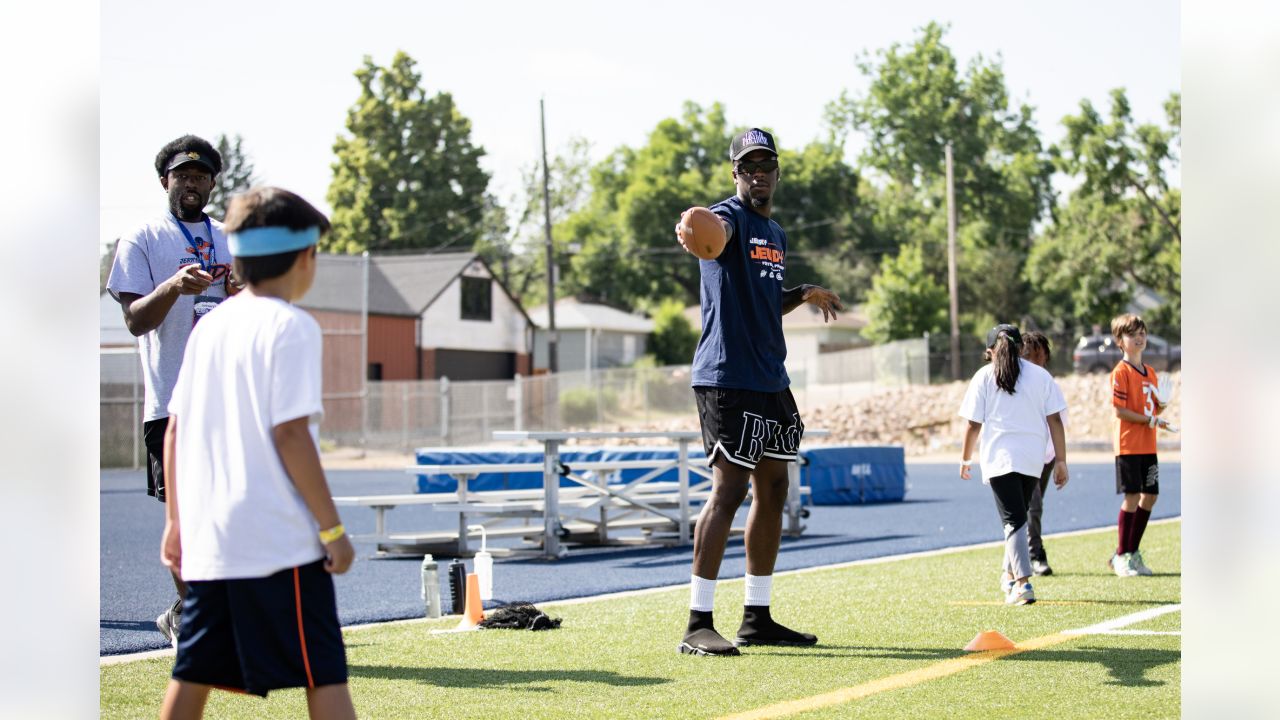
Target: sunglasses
{"points": [[751, 168]]}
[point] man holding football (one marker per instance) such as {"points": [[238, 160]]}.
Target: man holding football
{"points": [[751, 426]]}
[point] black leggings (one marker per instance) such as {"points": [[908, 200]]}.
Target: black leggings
{"points": [[1013, 496]]}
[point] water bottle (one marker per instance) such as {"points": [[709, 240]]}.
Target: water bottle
{"points": [[458, 586], [484, 564], [431, 586]]}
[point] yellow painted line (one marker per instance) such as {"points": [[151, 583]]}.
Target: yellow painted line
{"points": [[896, 682]]}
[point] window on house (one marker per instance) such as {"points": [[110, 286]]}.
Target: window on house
{"points": [[477, 301]]}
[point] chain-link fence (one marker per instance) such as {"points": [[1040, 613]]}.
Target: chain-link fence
{"points": [[120, 403], [403, 415]]}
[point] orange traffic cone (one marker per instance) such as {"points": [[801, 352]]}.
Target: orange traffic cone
{"points": [[474, 613], [989, 640]]}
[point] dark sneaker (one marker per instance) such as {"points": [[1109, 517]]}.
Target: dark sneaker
{"points": [[1041, 567], [706, 641], [759, 628]]}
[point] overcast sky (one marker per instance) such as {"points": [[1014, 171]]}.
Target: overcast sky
{"points": [[280, 74]]}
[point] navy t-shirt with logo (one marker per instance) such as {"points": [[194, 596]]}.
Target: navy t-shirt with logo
{"points": [[742, 344]]}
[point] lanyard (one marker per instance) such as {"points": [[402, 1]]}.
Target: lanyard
{"points": [[213, 251]]}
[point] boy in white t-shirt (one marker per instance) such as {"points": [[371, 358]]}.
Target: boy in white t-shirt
{"points": [[1009, 402], [250, 522]]}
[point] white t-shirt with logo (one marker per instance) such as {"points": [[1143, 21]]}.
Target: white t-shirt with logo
{"points": [[148, 256], [1014, 429], [251, 364]]}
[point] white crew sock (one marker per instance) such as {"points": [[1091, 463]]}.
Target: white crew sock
{"points": [[702, 594], [759, 589]]}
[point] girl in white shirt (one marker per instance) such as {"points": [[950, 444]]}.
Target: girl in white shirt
{"points": [[1010, 405]]}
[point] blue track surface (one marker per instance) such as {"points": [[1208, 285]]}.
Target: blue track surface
{"points": [[940, 511]]}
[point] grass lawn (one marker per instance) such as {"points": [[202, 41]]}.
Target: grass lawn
{"points": [[903, 620]]}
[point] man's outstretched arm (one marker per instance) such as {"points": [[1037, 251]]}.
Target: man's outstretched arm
{"points": [[795, 297]]}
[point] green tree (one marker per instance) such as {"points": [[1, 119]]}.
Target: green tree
{"points": [[905, 300], [628, 252], [1116, 159], [918, 101], [407, 175], [236, 176], [818, 204], [1119, 231], [673, 339]]}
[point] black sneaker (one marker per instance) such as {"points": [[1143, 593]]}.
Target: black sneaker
{"points": [[759, 628], [1041, 567], [701, 638], [706, 641]]}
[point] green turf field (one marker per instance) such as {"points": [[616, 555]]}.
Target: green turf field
{"points": [[889, 634]]}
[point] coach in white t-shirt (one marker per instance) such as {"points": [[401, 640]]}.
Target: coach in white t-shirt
{"points": [[167, 274], [1012, 404]]}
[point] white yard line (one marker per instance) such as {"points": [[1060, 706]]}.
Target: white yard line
{"points": [[1113, 627]]}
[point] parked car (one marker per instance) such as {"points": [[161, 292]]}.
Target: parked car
{"points": [[1099, 353]]}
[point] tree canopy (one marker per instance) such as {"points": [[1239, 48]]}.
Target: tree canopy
{"points": [[1120, 230], [917, 102], [406, 176], [874, 229], [236, 175]]}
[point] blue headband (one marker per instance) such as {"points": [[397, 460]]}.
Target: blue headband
{"points": [[259, 241]]}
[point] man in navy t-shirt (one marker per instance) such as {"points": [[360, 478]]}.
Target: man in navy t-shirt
{"points": [[751, 427]]}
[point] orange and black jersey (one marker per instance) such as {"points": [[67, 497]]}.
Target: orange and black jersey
{"points": [[1136, 390]]}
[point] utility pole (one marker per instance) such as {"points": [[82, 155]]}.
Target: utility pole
{"points": [[552, 364], [952, 285]]}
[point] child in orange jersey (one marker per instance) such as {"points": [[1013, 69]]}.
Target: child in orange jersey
{"points": [[1138, 398]]}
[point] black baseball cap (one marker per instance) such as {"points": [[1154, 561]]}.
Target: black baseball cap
{"points": [[1004, 329], [190, 156], [753, 139]]}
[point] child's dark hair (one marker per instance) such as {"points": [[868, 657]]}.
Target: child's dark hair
{"points": [[1126, 324], [187, 143], [270, 207], [1004, 347], [1036, 340]]}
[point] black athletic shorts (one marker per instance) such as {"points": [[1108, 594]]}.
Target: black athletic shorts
{"points": [[153, 438], [259, 634], [1137, 474], [746, 425]]}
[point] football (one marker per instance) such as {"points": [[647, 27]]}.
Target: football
{"points": [[704, 235]]}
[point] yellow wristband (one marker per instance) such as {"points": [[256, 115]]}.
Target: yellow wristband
{"points": [[333, 533]]}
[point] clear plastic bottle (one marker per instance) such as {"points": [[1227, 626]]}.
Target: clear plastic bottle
{"points": [[431, 586], [483, 562]]}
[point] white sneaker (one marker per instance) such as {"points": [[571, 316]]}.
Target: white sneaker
{"points": [[1122, 565], [1020, 595], [1139, 567], [1006, 584], [168, 626]]}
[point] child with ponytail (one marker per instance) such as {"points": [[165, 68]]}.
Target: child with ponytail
{"points": [[1010, 404]]}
